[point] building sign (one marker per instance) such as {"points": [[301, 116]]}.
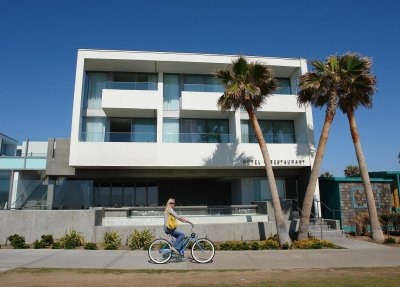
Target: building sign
{"points": [[275, 162]]}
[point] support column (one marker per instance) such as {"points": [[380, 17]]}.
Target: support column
{"points": [[50, 194], [12, 195]]}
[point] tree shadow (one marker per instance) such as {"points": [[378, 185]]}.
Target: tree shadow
{"points": [[227, 154]]}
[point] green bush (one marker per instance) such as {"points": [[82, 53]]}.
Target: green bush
{"points": [[17, 241], [57, 245], [39, 244], [270, 243], [111, 240], [71, 240], [138, 240], [90, 246], [254, 245], [389, 240], [313, 243], [47, 240]]}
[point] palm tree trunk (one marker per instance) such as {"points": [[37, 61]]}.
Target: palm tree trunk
{"points": [[376, 229], [281, 226], [313, 181]]}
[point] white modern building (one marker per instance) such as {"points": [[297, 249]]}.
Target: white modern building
{"points": [[146, 126]]}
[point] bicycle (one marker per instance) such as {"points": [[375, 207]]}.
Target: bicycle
{"points": [[202, 249]]}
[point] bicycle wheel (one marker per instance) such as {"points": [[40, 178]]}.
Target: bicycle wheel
{"points": [[203, 250], [160, 251]]}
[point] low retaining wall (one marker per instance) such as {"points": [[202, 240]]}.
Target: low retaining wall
{"points": [[32, 224]]}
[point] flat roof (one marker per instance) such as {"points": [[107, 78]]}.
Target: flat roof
{"points": [[353, 179]]}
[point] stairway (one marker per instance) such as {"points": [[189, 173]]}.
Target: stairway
{"points": [[325, 229]]}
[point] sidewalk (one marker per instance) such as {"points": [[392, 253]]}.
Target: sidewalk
{"points": [[358, 254]]}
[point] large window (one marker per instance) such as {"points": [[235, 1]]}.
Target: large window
{"points": [[132, 130], [133, 81], [262, 192], [196, 130], [117, 194], [202, 83], [274, 131], [284, 86], [171, 93]]}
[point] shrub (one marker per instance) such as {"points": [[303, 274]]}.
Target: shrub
{"points": [[111, 240], [313, 243], [254, 245], [57, 245], [39, 244], [389, 240], [71, 240], [270, 243], [47, 240], [17, 241], [138, 240], [90, 246]]}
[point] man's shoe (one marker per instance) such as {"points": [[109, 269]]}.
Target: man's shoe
{"points": [[174, 250]]}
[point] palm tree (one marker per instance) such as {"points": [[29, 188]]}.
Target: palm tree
{"points": [[247, 85], [359, 85], [326, 174], [351, 170], [319, 87], [345, 81]]}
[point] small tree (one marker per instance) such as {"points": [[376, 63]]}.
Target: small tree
{"points": [[326, 174], [351, 170]]}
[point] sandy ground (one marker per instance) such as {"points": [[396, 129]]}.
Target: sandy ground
{"points": [[90, 278]]}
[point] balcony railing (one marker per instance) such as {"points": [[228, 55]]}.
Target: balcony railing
{"points": [[119, 137], [203, 88], [198, 138], [277, 139], [131, 85]]}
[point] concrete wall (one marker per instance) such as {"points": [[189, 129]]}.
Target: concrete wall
{"points": [[215, 232], [34, 223], [58, 158]]}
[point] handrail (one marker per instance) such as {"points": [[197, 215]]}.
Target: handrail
{"points": [[332, 210], [41, 180]]}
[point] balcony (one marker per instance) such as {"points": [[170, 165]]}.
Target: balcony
{"points": [[200, 101], [126, 102], [119, 137], [23, 163]]}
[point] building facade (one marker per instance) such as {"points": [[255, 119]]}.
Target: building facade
{"points": [[146, 127]]}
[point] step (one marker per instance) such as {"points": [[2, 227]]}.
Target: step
{"points": [[328, 234]]}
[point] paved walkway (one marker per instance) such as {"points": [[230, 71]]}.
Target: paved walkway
{"points": [[357, 254]]}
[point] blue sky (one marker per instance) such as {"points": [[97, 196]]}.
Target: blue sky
{"points": [[39, 42]]}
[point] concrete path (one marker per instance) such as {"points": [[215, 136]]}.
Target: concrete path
{"points": [[357, 254]]}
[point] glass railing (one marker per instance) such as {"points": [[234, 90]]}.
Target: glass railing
{"points": [[277, 139], [203, 88], [198, 138], [131, 85], [119, 137]]}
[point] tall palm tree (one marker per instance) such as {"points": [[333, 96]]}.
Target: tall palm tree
{"points": [[319, 87], [360, 85], [247, 85], [345, 81]]}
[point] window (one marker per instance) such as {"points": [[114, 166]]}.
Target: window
{"points": [[132, 130], [360, 200], [274, 131], [134, 81], [262, 192], [204, 131], [284, 86], [202, 83], [171, 93], [93, 129]]}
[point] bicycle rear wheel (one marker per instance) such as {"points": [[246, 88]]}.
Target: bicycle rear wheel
{"points": [[160, 251], [203, 250]]}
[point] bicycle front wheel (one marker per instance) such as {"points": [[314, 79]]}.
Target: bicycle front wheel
{"points": [[160, 251], [203, 250]]}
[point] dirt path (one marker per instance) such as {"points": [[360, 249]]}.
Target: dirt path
{"points": [[108, 278]]}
